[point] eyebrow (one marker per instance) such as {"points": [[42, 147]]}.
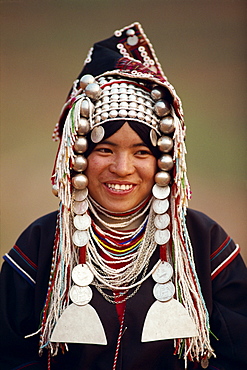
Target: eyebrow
{"points": [[114, 144]]}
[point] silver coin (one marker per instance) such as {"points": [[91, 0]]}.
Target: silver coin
{"points": [[163, 273], [153, 137], [80, 195], [164, 292], [160, 206], [132, 40], [162, 236], [82, 275], [161, 192], [204, 363], [80, 295], [162, 221], [80, 238], [82, 222], [80, 207], [97, 134]]}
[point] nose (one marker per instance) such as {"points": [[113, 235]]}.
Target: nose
{"points": [[122, 165]]}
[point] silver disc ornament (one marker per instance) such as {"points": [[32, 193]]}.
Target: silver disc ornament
{"points": [[82, 222], [164, 292], [97, 134], [80, 207], [162, 221], [161, 237], [80, 195], [160, 206], [80, 295], [163, 273], [80, 238], [82, 275], [161, 192]]}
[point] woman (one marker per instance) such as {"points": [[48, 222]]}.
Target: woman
{"points": [[133, 277]]}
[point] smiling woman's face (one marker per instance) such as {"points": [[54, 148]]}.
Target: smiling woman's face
{"points": [[121, 171]]}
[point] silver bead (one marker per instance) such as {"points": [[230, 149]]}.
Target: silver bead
{"points": [[165, 162], [132, 114], [124, 105], [80, 145], [87, 107], [133, 104], [130, 32], [140, 116], [85, 80], [122, 113], [104, 116], [80, 181], [55, 190], [162, 178], [157, 93], [167, 125], [93, 91], [83, 126], [114, 91], [165, 144], [80, 163], [113, 113], [114, 105], [105, 107], [123, 97], [162, 108]]}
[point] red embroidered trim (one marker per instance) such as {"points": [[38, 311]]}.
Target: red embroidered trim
{"points": [[225, 263], [220, 247]]}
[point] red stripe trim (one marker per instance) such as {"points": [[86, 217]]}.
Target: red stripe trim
{"points": [[220, 247], [225, 263], [25, 256]]}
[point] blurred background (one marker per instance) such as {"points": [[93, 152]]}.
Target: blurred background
{"points": [[202, 48]]}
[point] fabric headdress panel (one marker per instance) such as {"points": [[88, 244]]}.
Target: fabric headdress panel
{"points": [[122, 79]]}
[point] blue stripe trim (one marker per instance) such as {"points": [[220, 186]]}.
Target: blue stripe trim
{"points": [[19, 271], [221, 250]]}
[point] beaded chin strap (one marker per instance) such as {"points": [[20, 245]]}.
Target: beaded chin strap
{"points": [[131, 92]]}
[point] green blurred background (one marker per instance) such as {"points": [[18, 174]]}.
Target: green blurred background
{"points": [[201, 46]]}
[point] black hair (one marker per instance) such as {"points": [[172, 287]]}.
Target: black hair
{"points": [[110, 127]]}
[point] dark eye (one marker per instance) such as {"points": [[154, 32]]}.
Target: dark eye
{"points": [[103, 150], [143, 152]]}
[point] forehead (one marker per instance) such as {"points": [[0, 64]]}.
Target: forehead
{"points": [[125, 135]]}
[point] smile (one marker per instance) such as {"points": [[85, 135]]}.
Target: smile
{"points": [[118, 187]]}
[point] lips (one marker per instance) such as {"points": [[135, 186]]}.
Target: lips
{"points": [[119, 187]]}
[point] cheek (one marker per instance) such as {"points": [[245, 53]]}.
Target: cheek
{"points": [[149, 171]]}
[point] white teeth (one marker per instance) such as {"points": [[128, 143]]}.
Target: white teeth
{"points": [[119, 187]]}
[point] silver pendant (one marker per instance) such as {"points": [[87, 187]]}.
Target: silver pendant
{"points": [[97, 134], [80, 295], [162, 236], [80, 207], [80, 195], [80, 238], [162, 221], [164, 292], [79, 324], [163, 273], [82, 275], [161, 192], [168, 320], [82, 222], [153, 137], [160, 206]]}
